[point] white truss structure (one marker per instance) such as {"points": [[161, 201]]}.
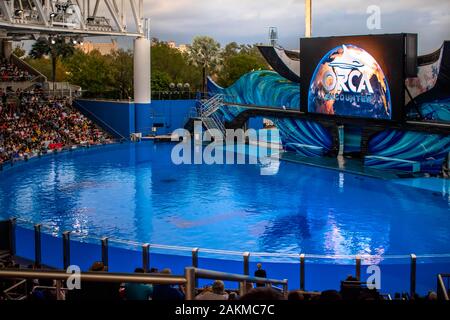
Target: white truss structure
{"points": [[27, 19]]}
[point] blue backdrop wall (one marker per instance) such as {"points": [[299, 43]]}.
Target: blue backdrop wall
{"points": [[124, 118], [114, 116], [169, 115]]}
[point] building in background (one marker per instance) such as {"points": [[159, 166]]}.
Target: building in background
{"points": [[104, 48], [181, 47]]}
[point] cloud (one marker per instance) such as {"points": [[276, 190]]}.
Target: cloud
{"points": [[248, 20]]}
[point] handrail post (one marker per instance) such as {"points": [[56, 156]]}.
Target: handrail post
{"points": [[285, 288], [12, 236], [302, 272], [413, 276], [37, 246], [358, 268], [189, 274], [195, 257], [146, 257], [66, 249], [243, 284], [246, 257], [195, 262], [58, 290], [105, 257]]}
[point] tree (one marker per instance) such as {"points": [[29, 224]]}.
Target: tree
{"points": [[175, 65], [19, 51], [55, 48], [160, 81], [236, 66], [238, 60], [122, 73], [205, 53], [44, 66], [91, 71]]}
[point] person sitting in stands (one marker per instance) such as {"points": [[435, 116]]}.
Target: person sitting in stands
{"points": [[296, 296], [330, 295], [166, 292], [262, 294], [260, 273], [96, 290], [138, 291], [217, 292]]}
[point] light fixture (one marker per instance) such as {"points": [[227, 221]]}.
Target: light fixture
{"points": [[18, 12], [52, 41], [52, 15]]}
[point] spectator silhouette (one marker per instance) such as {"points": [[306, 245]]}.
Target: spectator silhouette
{"points": [[260, 273]]}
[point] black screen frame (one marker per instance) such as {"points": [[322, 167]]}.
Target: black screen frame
{"points": [[387, 49]]}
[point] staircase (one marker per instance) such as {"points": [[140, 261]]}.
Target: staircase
{"points": [[205, 111]]}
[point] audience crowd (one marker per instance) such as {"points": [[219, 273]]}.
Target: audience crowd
{"points": [[45, 290], [32, 123], [10, 72]]}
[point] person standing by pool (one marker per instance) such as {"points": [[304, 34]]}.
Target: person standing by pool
{"points": [[260, 273]]}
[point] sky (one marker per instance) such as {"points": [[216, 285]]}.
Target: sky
{"points": [[247, 21]]}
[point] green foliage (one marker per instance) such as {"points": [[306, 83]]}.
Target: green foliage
{"points": [[205, 53], [54, 48], [90, 71], [237, 61], [44, 66], [160, 81], [113, 74], [45, 47], [19, 51], [174, 65], [121, 66]]}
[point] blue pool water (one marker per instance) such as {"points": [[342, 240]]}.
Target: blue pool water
{"points": [[134, 192]]}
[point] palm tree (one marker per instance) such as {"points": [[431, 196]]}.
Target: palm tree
{"points": [[55, 47], [205, 53]]}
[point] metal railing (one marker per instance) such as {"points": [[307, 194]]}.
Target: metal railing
{"points": [[189, 279], [146, 250], [155, 95], [442, 289], [192, 274]]}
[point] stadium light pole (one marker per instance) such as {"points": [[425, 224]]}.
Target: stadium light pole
{"points": [[308, 18]]}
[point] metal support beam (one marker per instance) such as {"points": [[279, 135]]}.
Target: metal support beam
{"points": [[137, 19], [246, 257], [37, 246], [12, 236], [114, 15], [189, 274], [308, 18], [105, 256], [97, 2], [302, 272], [4, 6], [412, 291], [41, 12], [66, 249], [110, 20], [358, 268], [146, 257]]}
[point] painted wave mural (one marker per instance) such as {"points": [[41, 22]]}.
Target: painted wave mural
{"points": [[268, 88], [435, 110], [311, 139], [430, 150], [261, 88]]}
